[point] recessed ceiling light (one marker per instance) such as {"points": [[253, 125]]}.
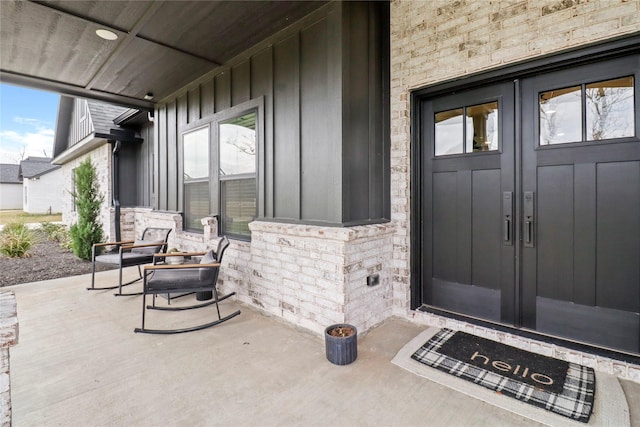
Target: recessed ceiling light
{"points": [[148, 96], [106, 34]]}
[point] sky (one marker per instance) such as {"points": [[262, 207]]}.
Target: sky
{"points": [[27, 122]]}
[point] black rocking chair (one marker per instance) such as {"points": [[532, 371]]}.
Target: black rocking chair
{"points": [[129, 253], [182, 279]]}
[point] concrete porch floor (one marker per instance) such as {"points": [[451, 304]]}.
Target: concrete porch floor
{"points": [[78, 362]]}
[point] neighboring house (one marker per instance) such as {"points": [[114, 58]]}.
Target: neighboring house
{"points": [[10, 187], [480, 161], [42, 185], [103, 132]]}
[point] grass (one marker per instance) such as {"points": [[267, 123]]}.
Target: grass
{"points": [[7, 217]]}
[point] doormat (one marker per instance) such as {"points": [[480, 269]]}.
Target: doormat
{"points": [[565, 388]]}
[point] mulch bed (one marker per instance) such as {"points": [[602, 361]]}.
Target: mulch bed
{"points": [[47, 261]]}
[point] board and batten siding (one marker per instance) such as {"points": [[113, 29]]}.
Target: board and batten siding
{"points": [[137, 169], [324, 85], [81, 125]]}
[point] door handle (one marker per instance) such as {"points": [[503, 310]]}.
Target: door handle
{"points": [[527, 231], [529, 219], [506, 230], [507, 217]]}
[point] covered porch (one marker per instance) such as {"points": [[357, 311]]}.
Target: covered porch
{"points": [[78, 362]]}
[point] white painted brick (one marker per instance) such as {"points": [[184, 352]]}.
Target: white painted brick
{"points": [[605, 365], [620, 369], [613, 12], [631, 20], [598, 30]]}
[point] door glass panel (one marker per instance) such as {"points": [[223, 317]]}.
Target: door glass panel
{"points": [[449, 131], [610, 112], [483, 120], [561, 116]]}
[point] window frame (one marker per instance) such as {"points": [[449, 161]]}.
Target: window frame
{"points": [[212, 122], [235, 177], [582, 85], [464, 141], [185, 183], [588, 74]]}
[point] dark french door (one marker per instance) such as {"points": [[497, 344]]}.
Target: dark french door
{"points": [[468, 210], [531, 203]]}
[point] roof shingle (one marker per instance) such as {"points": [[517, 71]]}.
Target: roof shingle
{"points": [[9, 174], [103, 114], [32, 167]]}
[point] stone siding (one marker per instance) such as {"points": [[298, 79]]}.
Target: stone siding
{"points": [[435, 41], [8, 338]]}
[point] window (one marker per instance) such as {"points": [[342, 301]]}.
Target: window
{"points": [[238, 184], [221, 172], [196, 178], [467, 130], [588, 112]]}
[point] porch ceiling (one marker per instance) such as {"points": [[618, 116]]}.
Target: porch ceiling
{"points": [[161, 45]]}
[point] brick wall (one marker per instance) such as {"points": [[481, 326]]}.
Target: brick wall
{"points": [[133, 221], [438, 40], [316, 276], [308, 275]]}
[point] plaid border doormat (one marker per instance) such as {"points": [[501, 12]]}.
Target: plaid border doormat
{"points": [[575, 401]]}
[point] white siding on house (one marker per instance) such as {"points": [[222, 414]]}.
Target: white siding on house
{"points": [[43, 194], [10, 196]]}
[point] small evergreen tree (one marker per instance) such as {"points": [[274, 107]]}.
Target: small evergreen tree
{"points": [[88, 229]]}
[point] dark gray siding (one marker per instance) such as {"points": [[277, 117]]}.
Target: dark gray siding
{"points": [[285, 141], [137, 170], [324, 84], [366, 113]]}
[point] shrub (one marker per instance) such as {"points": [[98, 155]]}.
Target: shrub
{"points": [[16, 240], [52, 231], [57, 233], [13, 227], [88, 229]]}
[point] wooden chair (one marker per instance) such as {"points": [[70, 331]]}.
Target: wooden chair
{"points": [[129, 253], [185, 278]]}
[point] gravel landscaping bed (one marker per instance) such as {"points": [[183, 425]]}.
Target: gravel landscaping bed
{"points": [[47, 261]]}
